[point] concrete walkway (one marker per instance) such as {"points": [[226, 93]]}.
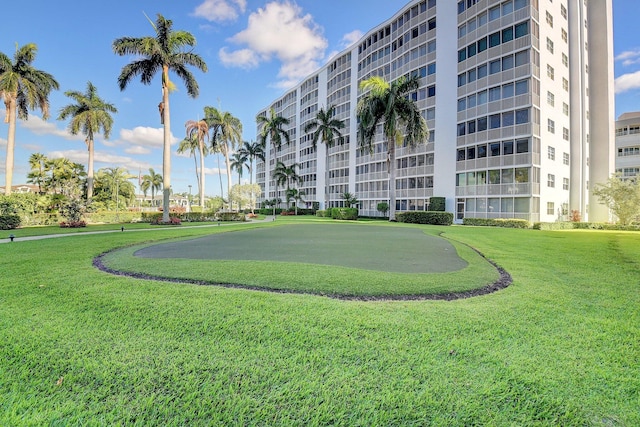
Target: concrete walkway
{"points": [[123, 229]]}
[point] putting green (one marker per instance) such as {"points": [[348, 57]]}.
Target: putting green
{"points": [[379, 248]]}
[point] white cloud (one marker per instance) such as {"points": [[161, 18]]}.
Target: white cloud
{"points": [[215, 171], [350, 38], [627, 82], [101, 159], [243, 58], [629, 57], [137, 149], [36, 125], [141, 138], [283, 32], [220, 10], [3, 142]]}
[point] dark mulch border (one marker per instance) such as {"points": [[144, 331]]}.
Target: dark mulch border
{"points": [[504, 281]]}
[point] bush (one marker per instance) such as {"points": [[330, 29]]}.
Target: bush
{"points": [[110, 217], [173, 220], [73, 224], [321, 213], [553, 226], [230, 216], [269, 211], [348, 214], [425, 217], [9, 221], [497, 222], [437, 204]]}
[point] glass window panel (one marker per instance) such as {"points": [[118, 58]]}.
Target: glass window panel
{"points": [[522, 87], [471, 101], [507, 62], [495, 149], [507, 34], [522, 29], [507, 90], [482, 71], [522, 116], [522, 146], [494, 176], [482, 44], [482, 97], [482, 151], [507, 119], [482, 124], [494, 39], [522, 58], [495, 66], [507, 147], [494, 13], [494, 121]]}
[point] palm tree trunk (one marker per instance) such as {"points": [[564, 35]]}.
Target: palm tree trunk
{"points": [[90, 172], [326, 178], [220, 176], [202, 176], [166, 153], [251, 183], [11, 143], [228, 163], [391, 168]]}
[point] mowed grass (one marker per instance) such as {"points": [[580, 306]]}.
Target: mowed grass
{"points": [[560, 346], [318, 258]]}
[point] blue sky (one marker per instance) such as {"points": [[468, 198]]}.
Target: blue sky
{"points": [[254, 50]]}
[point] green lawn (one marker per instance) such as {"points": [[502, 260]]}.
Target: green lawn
{"points": [[560, 346]]}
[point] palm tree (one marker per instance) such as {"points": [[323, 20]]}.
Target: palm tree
{"points": [[252, 151], [23, 88], [326, 128], [114, 186], [226, 134], [89, 115], [389, 103], [295, 195], [286, 175], [152, 181], [238, 163], [271, 128], [349, 199], [198, 132], [37, 162], [166, 51]]}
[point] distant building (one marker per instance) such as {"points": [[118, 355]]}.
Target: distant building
{"points": [[628, 145], [21, 188], [518, 96]]}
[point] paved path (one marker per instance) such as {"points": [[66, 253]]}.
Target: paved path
{"points": [[125, 230]]}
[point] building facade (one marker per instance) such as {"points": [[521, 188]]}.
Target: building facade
{"points": [[506, 89], [628, 145]]}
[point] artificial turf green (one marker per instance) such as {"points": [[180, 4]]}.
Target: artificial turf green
{"points": [[560, 346]]}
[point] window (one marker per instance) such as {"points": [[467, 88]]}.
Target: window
{"points": [[494, 121], [550, 208], [507, 119], [462, 31], [522, 116], [507, 90], [522, 58], [495, 93], [482, 71], [565, 84], [549, 19], [471, 127], [471, 76], [549, 45], [565, 60], [551, 99], [495, 149], [495, 67], [507, 34], [522, 146], [431, 91], [565, 183], [471, 101], [550, 72], [431, 24], [563, 11], [482, 44], [462, 79], [522, 29], [482, 124], [565, 108], [551, 180], [461, 129], [494, 39], [551, 126], [565, 134], [565, 158], [507, 7], [551, 153], [507, 148], [494, 13], [565, 36], [462, 104], [507, 62], [471, 50], [482, 97], [482, 19]]}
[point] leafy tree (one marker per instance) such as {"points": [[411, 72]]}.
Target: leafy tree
{"points": [[622, 196], [271, 128], [113, 187], [89, 115], [349, 199], [167, 50], [64, 177], [286, 175], [151, 181], [242, 195], [226, 134], [296, 195], [325, 128], [23, 88], [383, 208], [390, 104], [252, 151], [197, 133], [37, 175]]}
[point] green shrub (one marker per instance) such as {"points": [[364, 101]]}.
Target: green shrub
{"points": [[9, 221], [553, 226], [321, 213], [110, 217], [437, 204], [344, 213], [497, 222], [230, 216], [603, 226], [425, 217]]}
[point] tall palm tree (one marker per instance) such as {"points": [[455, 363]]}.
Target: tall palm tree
{"points": [[325, 128], [198, 131], [295, 195], [166, 51], [88, 115], [389, 103], [271, 128], [286, 175], [37, 162], [152, 181], [238, 163], [252, 151], [226, 135], [23, 88]]}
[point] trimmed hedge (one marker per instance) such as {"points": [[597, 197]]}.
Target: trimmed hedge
{"points": [[425, 217], [9, 221], [269, 211], [549, 226], [497, 222], [553, 226], [348, 214], [437, 204]]}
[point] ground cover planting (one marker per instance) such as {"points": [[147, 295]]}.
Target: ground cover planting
{"points": [[559, 346]]}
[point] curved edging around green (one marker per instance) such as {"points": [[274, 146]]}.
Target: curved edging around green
{"points": [[503, 281]]}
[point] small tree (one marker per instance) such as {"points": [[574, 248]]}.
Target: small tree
{"points": [[622, 196], [72, 212], [349, 199], [383, 207]]}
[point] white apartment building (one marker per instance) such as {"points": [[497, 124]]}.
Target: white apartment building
{"points": [[628, 145], [507, 89]]}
